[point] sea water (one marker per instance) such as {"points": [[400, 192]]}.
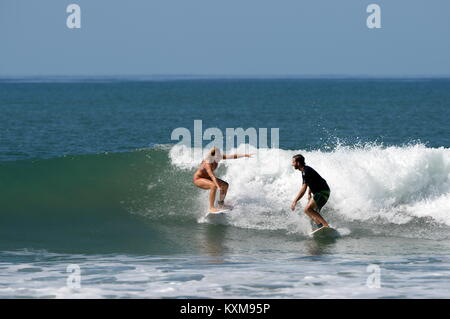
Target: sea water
{"points": [[97, 201]]}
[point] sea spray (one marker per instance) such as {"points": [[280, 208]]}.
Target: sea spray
{"points": [[369, 183]]}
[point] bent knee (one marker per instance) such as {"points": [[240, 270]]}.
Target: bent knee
{"points": [[308, 208]]}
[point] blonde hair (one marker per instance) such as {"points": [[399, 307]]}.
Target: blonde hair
{"points": [[214, 155]]}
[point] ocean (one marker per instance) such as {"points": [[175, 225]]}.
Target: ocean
{"points": [[97, 200]]}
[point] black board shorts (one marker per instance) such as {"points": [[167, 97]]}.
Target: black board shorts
{"points": [[321, 198]]}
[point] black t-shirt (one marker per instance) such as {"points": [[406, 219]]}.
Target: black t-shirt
{"points": [[315, 182]]}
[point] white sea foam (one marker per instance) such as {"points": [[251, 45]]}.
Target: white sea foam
{"points": [[369, 183], [277, 275]]}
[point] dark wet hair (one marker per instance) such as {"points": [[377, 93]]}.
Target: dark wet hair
{"points": [[299, 160]]}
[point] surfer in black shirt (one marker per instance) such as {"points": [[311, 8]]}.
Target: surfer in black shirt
{"points": [[317, 186]]}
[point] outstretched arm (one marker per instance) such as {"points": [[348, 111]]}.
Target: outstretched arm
{"points": [[237, 156], [299, 196]]}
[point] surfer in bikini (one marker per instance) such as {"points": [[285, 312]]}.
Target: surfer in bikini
{"points": [[204, 178], [317, 186]]}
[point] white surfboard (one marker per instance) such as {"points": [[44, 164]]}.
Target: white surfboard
{"points": [[324, 232], [222, 212]]}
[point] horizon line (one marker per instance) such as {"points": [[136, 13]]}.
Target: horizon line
{"points": [[174, 77]]}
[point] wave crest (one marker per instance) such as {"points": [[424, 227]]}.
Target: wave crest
{"points": [[369, 184]]}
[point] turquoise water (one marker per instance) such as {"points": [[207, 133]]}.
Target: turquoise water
{"points": [[89, 176]]}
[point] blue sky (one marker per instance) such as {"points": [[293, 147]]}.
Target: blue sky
{"points": [[227, 37]]}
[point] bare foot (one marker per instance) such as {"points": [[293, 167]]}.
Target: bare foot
{"points": [[213, 210]]}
